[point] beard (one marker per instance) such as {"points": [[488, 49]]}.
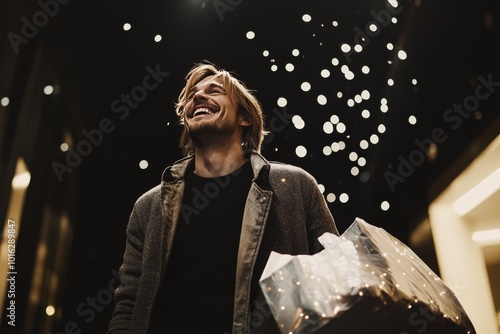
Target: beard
{"points": [[210, 132]]}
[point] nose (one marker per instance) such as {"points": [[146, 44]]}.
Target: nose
{"points": [[200, 94]]}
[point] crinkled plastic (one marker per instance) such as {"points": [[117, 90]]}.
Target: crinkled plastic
{"points": [[365, 281]]}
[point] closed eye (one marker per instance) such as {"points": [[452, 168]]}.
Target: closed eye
{"points": [[218, 91], [213, 88]]}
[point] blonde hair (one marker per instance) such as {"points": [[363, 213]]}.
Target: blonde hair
{"points": [[247, 103]]}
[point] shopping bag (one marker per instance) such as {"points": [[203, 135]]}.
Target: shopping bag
{"points": [[364, 281]]}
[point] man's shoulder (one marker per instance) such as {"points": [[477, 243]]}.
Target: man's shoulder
{"points": [[282, 169], [150, 196]]}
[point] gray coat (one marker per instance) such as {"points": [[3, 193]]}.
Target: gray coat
{"points": [[284, 212]]}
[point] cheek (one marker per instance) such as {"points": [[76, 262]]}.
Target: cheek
{"points": [[186, 110]]}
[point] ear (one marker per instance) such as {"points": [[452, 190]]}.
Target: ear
{"points": [[244, 121]]}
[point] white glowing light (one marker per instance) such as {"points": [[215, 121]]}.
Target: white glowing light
{"points": [[361, 161], [335, 147], [335, 24], [487, 237], [21, 180], [394, 20], [390, 46], [127, 26], [383, 100], [478, 194], [48, 90], [414, 82], [327, 150], [250, 35], [328, 127], [381, 128], [365, 69], [321, 188], [365, 113], [50, 310], [298, 122], [373, 27], [349, 75], [289, 67], [301, 151], [5, 101], [363, 144], [157, 38], [385, 206], [402, 55], [345, 48], [365, 95], [282, 102], [265, 53], [374, 139], [353, 156], [334, 119], [322, 100], [344, 69], [274, 68], [306, 18], [325, 73], [384, 108], [64, 147], [354, 171], [344, 197], [305, 86], [342, 145], [143, 164], [341, 127], [335, 61], [390, 82], [358, 48], [295, 52], [331, 197], [339, 95], [412, 120], [350, 103], [393, 3]]}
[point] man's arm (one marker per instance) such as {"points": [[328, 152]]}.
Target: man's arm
{"points": [[130, 273], [320, 219]]}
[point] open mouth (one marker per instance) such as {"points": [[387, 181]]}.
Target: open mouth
{"points": [[203, 111]]}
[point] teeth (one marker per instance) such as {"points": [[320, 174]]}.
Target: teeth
{"points": [[202, 110]]}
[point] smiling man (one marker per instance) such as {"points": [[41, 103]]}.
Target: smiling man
{"points": [[198, 242]]}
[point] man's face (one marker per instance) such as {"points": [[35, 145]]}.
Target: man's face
{"points": [[209, 112]]}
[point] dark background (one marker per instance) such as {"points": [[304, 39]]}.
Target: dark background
{"points": [[92, 61]]}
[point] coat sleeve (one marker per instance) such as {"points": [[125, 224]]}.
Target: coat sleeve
{"points": [[319, 218], [130, 274]]}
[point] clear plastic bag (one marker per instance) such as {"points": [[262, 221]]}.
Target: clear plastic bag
{"points": [[365, 281]]}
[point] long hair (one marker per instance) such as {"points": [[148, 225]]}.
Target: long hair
{"points": [[247, 103]]}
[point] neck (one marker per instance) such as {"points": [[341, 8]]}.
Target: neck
{"points": [[215, 161]]}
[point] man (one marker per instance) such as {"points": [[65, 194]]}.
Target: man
{"points": [[198, 242]]}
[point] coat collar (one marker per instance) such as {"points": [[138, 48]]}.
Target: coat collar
{"points": [[180, 168]]}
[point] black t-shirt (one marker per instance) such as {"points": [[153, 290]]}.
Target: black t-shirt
{"points": [[197, 294]]}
